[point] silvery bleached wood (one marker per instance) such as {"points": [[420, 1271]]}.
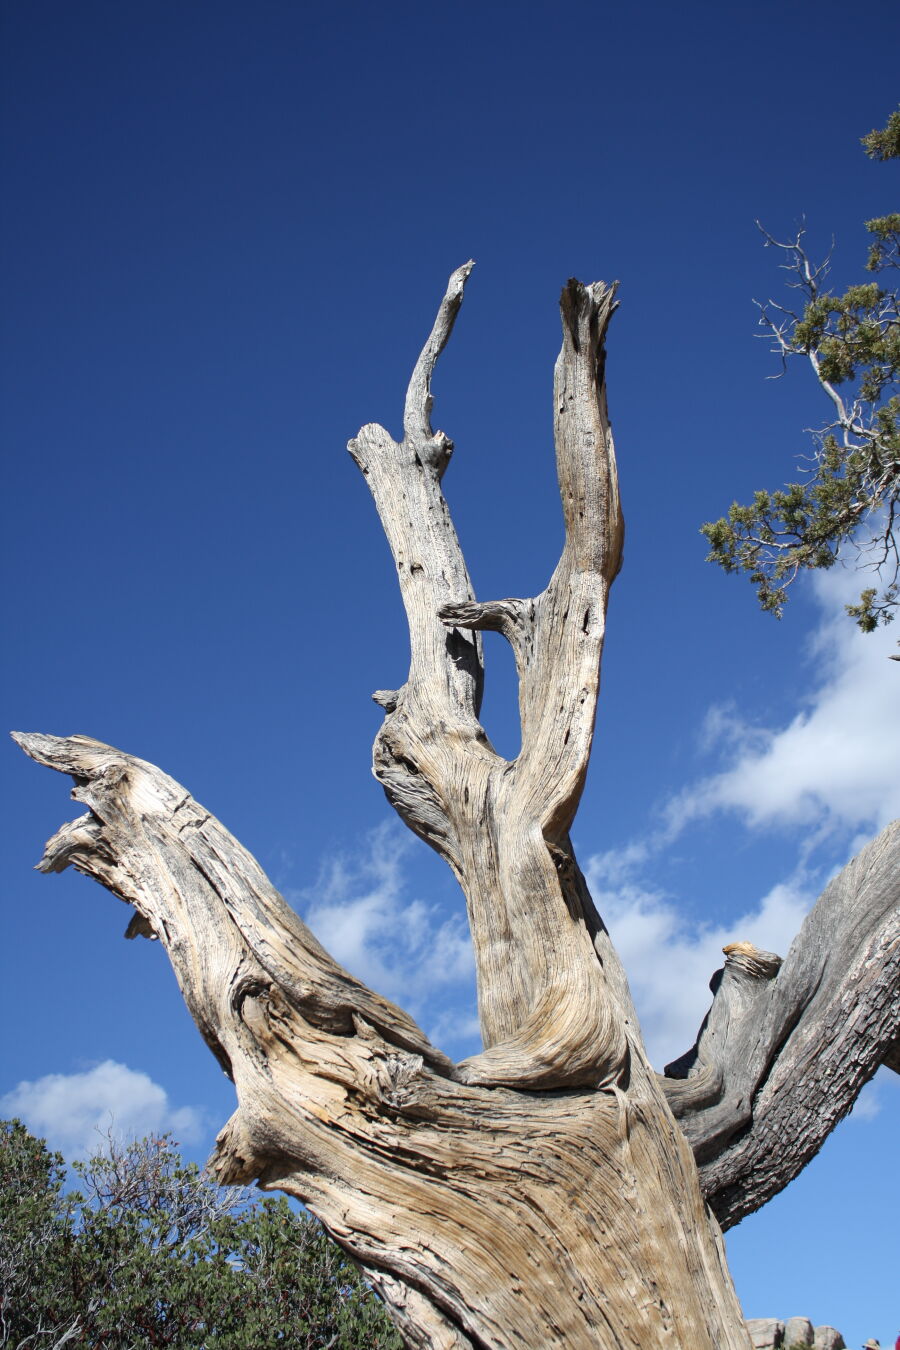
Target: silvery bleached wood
{"points": [[503, 826], [540, 1193], [485, 1216]]}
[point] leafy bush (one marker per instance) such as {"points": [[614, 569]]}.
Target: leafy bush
{"points": [[151, 1252]]}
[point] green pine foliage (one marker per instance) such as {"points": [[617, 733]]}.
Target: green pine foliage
{"points": [[849, 496], [884, 144], [150, 1252]]}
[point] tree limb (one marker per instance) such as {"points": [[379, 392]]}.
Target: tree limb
{"points": [[786, 1047]]}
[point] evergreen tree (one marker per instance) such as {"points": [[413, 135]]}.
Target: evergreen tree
{"points": [[151, 1252], [850, 496]]}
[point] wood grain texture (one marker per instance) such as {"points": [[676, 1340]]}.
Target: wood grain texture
{"points": [[547, 1016], [485, 1216]]}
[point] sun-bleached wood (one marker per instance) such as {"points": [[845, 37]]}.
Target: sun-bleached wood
{"points": [[485, 1216], [546, 1015], [540, 1193]]}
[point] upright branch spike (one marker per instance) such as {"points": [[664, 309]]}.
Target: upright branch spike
{"points": [[419, 402], [585, 456]]}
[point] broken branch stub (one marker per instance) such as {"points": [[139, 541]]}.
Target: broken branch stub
{"points": [[788, 1045]]}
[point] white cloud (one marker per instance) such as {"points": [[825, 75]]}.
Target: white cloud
{"points": [[454, 1025], [75, 1112], [833, 769], [402, 947], [668, 963], [405, 949], [868, 1104], [837, 762]]}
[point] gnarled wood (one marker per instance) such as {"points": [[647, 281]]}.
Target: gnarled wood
{"points": [[486, 1217]]}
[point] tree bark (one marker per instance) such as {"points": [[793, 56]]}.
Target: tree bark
{"points": [[787, 1046], [539, 1193], [486, 1216]]}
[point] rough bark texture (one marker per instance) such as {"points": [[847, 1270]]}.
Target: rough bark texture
{"points": [[540, 1193], [787, 1046]]}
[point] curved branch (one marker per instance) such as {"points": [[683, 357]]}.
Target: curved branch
{"points": [[419, 402], [446, 672], [562, 680], [585, 459], [144, 832], [787, 1047], [710, 1089]]}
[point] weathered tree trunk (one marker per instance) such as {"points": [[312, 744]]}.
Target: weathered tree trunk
{"points": [[539, 1193]]}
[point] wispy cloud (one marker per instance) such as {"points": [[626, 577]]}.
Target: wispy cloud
{"points": [[363, 912], [833, 769], [868, 1104], [668, 962], [406, 948], [836, 764], [76, 1112]]}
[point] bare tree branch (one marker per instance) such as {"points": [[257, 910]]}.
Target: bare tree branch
{"points": [[787, 1047]]}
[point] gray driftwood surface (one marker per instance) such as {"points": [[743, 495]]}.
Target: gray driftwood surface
{"points": [[546, 1191]]}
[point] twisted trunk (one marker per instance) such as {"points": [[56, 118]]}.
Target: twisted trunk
{"points": [[539, 1193], [484, 1215]]}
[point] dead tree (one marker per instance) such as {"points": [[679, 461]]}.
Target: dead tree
{"points": [[552, 1190]]}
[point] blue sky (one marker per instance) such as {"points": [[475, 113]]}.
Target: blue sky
{"points": [[227, 230]]}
